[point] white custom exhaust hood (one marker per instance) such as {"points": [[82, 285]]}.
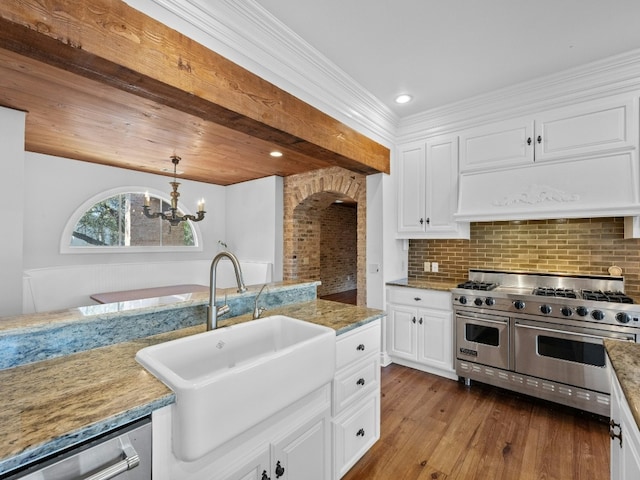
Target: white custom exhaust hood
{"points": [[586, 187]]}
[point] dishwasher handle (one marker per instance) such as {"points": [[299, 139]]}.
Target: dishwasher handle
{"points": [[131, 460]]}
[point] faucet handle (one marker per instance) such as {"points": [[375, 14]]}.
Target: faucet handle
{"points": [[257, 312], [223, 309]]}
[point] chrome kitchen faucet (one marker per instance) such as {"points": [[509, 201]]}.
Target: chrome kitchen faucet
{"points": [[213, 312]]}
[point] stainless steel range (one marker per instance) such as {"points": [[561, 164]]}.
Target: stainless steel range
{"points": [[542, 334]]}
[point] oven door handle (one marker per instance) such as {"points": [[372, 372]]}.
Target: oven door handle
{"points": [[130, 460], [481, 320], [577, 334]]}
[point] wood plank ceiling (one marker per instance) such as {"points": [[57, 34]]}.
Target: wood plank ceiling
{"points": [[103, 83]]}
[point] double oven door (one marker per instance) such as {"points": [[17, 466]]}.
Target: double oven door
{"points": [[482, 338], [567, 354]]}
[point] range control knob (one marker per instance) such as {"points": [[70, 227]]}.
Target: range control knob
{"points": [[597, 315], [623, 317], [566, 311], [582, 311], [546, 309], [463, 300], [519, 304], [478, 301], [490, 301]]}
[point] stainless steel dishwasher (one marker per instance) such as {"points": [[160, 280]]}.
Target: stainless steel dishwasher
{"points": [[124, 454]]}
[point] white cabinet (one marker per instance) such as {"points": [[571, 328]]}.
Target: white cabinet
{"points": [[586, 129], [574, 161], [501, 144], [356, 396], [625, 436], [301, 453], [420, 329], [428, 189], [294, 443], [256, 468]]}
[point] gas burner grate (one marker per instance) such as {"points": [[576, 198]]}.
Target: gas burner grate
{"points": [[555, 292], [475, 285], [606, 296]]}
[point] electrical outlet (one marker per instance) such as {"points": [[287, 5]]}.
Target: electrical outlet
{"points": [[426, 267], [434, 267]]}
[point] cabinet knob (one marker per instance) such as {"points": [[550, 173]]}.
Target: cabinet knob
{"points": [[413, 320], [420, 321], [265, 476], [360, 381], [612, 434], [360, 433], [539, 139], [421, 221], [417, 299], [360, 347], [428, 220], [279, 470], [529, 141]]}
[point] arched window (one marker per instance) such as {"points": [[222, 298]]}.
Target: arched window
{"points": [[114, 220]]}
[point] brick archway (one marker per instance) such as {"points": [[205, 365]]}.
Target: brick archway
{"points": [[304, 196]]}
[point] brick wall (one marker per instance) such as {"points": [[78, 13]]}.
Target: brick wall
{"points": [[338, 249], [306, 196], [584, 246]]}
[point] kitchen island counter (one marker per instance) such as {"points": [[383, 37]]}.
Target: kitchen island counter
{"points": [[625, 360], [50, 405]]}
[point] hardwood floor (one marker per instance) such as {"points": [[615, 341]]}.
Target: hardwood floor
{"points": [[438, 429], [350, 297]]}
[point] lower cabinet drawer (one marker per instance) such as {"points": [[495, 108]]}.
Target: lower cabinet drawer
{"points": [[415, 297], [355, 432], [355, 383], [358, 344]]}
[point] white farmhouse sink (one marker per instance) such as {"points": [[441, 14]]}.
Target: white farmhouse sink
{"points": [[230, 379]]}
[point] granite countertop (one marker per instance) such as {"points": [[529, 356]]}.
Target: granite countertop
{"points": [[148, 305], [52, 404], [425, 284], [625, 360]]}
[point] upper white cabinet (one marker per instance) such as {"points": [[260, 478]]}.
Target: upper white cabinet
{"points": [[428, 189], [574, 161], [500, 144], [586, 129]]}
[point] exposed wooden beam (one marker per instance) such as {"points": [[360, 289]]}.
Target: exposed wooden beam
{"points": [[108, 41]]}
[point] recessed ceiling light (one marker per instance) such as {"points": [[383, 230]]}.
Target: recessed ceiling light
{"points": [[404, 98], [275, 153]]}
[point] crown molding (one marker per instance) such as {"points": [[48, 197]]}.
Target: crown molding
{"points": [[248, 35], [611, 76]]}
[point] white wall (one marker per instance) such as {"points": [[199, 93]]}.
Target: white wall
{"points": [[384, 250], [12, 141], [375, 241], [254, 221], [395, 251], [247, 217]]}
